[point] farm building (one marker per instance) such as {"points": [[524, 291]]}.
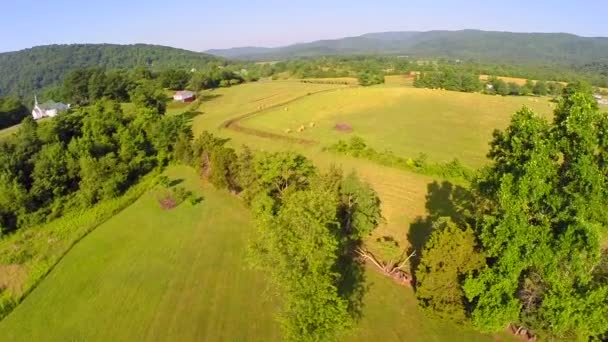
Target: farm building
{"points": [[184, 96], [48, 109]]}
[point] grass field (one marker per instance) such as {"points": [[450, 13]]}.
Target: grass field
{"points": [[181, 275], [7, 132], [408, 121], [149, 274]]}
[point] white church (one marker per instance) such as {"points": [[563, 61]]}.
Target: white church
{"points": [[48, 109]]}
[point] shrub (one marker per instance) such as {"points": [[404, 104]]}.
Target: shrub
{"points": [[171, 198], [357, 147]]}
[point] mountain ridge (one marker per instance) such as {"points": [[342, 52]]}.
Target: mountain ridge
{"points": [[28, 70], [464, 44]]}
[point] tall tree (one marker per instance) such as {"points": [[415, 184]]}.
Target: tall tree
{"points": [[11, 112], [541, 213], [449, 256], [147, 94]]}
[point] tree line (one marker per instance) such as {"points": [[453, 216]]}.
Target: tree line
{"points": [[84, 86], [80, 158], [309, 224], [465, 80]]}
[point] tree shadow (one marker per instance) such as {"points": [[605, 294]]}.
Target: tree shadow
{"points": [[389, 240], [176, 182], [208, 97], [442, 200], [352, 283], [197, 200], [190, 115]]}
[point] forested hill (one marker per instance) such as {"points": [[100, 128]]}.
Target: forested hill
{"points": [[488, 46], [23, 72]]}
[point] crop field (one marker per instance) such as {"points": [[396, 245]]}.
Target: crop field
{"points": [[182, 275], [442, 124]]}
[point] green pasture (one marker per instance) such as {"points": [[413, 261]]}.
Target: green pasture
{"points": [[150, 274], [182, 274]]}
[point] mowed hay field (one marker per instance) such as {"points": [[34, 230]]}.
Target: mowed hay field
{"points": [[150, 274], [402, 193], [153, 275], [443, 124], [221, 104], [404, 119]]}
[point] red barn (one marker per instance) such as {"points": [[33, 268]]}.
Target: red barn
{"points": [[184, 96]]}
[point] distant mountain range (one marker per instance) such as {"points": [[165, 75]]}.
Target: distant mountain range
{"points": [[479, 45], [25, 71]]}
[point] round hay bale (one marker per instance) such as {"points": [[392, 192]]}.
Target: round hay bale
{"points": [[288, 130], [312, 124]]}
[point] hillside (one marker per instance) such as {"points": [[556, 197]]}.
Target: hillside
{"points": [[25, 71], [465, 44]]}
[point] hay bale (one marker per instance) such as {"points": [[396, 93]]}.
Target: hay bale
{"points": [[312, 124], [288, 130], [286, 109], [301, 129]]}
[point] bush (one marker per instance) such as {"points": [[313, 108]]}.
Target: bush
{"points": [[171, 198], [357, 147]]}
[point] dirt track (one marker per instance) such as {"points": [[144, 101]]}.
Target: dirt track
{"points": [[233, 123]]}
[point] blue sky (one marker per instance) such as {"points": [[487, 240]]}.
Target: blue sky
{"points": [[200, 25]]}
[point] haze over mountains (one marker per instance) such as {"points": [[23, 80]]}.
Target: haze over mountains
{"points": [[25, 71], [465, 44]]}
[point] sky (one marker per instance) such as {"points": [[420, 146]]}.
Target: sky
{"points": [[201, 25]]}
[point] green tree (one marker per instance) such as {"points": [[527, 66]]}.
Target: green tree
{"points": [[540, 88], [541, 212], [298, 249], [246, 174], [50, 173], [501, 87], [174, 79], [183, 148], [449, 256], [11, 112], [149, 95], [224, 168], [514, 88], [309, 226], [527, 88], [279, 173]]}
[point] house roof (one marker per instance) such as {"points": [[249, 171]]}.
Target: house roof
{"points": [[184, 93], [50, 105]]}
